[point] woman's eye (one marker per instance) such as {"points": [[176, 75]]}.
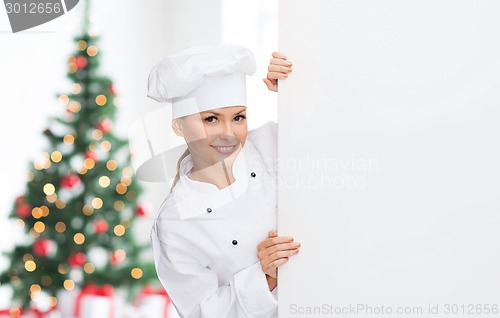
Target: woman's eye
{"points": [[211, 119], [239, 118]]}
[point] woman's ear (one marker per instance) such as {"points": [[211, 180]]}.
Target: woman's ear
{"points": [[177, 127]]}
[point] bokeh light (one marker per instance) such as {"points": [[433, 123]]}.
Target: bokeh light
{"points": [[69, 284], [56, 156], [111, 165], [92, 50], [49, 189], [97, 203], [60, 227], [101, 100], [79, 238], [30, 266], [87, 210], [39, 227], [119, 230], [136, 273], [104, 181]]}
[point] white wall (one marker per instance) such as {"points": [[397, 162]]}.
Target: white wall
{"points": [[391, 118]]}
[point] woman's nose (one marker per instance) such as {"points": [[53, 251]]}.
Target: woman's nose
{"points": [[227, 131]]}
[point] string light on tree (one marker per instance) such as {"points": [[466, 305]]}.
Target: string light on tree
{"points": [[105, 146], [35, 289], [79, 238], [36, 212], [73, 67], [69, 139], [81, 45], [76, 88], [119, 230], [101, 100], [39, 227], [60, 227], [64, 100], [136, 273], [121, 188], [92, 50], [60, 204], [30, 266], [56, 156], [87, 210], [45, 210], [81, 170], [88, 268], [97, 203], [51, 198], [49, 189], [111, 165], [89, 163], [119, 205], [62, 269], [97, 134], [69, 284], [104, 181], [74, 107]]}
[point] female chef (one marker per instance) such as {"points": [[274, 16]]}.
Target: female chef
{"points": [[215, 248]]}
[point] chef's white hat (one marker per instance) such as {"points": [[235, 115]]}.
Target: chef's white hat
{"points": [[202, 77]]}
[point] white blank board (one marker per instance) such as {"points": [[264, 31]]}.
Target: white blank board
{"points": [[389, 158]]}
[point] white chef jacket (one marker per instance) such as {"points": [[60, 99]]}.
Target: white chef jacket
{"points": [[205, 240]]}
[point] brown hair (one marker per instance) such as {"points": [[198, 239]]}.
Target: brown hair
{"points": [[177, 176]]}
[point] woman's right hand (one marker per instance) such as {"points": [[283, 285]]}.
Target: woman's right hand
{"points": [[275, 251], [279, 68]]}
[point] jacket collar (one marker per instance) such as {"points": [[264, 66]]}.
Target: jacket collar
{"points": [[196, 198]]}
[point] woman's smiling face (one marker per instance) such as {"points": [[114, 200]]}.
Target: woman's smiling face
{"points": [[214, 135]]}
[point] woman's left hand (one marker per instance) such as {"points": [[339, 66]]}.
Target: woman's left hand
{"points": [[275, 251], [279, 68]]}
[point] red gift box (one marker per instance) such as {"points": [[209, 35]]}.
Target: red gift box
{"points": [[92, 289], [149, 291]]}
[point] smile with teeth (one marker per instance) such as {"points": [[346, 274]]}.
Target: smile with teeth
{"points": [[224, 149]]}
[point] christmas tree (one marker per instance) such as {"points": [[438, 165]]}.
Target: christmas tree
{"points": [[80, 201]]}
